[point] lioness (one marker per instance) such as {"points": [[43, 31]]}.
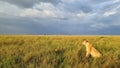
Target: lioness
{"points": [[90, 50]]}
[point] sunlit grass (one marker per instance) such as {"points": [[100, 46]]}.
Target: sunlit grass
{"points": [[57, 51]]}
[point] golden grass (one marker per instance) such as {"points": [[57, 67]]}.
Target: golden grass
{"points": [[39, 51]]}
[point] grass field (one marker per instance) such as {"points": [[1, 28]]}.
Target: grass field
{"points": [[27, 51]]}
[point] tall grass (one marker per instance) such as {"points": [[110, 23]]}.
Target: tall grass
{"points": [[57, 52]]}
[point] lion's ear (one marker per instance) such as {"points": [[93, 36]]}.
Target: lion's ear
{"points": [[85, 40]]}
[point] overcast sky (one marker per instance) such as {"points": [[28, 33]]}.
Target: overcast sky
{"points": [[76, 17]]}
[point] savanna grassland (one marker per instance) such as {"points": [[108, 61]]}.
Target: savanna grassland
{"points": [[27, 51]]}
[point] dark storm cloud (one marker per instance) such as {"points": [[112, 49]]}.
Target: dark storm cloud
{"points": [[60, 17], [27, 26], [77, 6], [98, 1], [113, 30], [29, 3]]}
